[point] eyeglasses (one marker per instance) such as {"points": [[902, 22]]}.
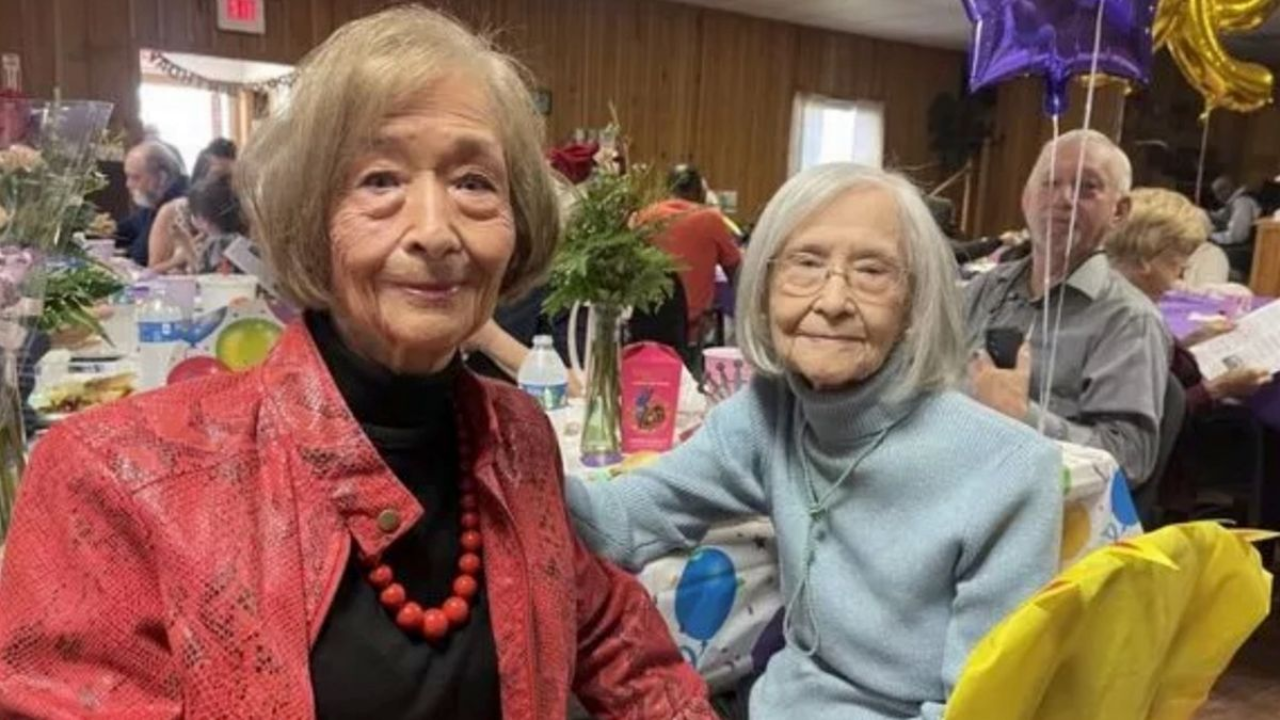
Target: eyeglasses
{"points": [[804, 274]]}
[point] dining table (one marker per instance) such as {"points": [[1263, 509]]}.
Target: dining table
{"points": [[1185, 310]]}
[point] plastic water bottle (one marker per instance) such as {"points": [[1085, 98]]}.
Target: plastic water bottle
{"points": [[159, 337], [543, 375]]}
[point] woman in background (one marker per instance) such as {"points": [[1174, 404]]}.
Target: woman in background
{"points": [[1152, 249], [216, 215], [175, 240]]}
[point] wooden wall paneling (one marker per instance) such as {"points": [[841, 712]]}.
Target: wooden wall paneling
{"points": [[112, 63], [1017, 141], [299, 28], [651, 82], [11, 27], [673, 85], [36, 46], [321, 17], [600, 71], [144, 17], [550, 47], [71, 20], [340, 11], [744, 110], [690, 84], [907, 95], [175, 26]]}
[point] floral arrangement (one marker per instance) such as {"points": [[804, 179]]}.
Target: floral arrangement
{"points": [[73, 287], [606, 257], [606, 260], [47, 160]]}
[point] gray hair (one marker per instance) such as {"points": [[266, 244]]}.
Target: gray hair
{"points": [[161, 159], [1117, 162], [934, 341]]}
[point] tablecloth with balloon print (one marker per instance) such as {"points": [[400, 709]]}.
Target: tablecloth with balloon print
{"points": [[1098, 508], [229, 339], [723, 605]]}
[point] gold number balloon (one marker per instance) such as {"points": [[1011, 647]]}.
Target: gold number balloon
{"points": [[1236, 16], [1191, 30]]}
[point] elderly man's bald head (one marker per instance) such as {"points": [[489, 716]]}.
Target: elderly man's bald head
{"points": [[1052, 207], [1118, 168]]}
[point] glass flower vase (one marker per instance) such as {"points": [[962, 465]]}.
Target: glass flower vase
{"points": [[47, 153], [602, 423]]}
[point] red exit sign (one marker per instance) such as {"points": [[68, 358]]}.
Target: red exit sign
{"points": [[245, 16]]}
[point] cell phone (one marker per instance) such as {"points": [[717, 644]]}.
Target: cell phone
{"points": [[1002, 345]]}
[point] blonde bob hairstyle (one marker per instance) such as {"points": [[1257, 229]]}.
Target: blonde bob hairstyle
{"points": [[933, 342], [1159, 221], [294, 170]]}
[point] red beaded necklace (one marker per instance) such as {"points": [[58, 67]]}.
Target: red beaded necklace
{"points": [[437, 622]]}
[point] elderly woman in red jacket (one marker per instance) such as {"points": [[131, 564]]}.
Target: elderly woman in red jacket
{"points": [[358, 528]]}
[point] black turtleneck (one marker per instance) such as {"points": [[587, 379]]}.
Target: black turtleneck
{"points": [[363, 665]]}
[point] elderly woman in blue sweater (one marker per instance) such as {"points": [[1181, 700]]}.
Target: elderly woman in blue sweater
{"points": [[909, 518]]}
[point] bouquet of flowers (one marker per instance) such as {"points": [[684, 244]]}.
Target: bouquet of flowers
{"points": [[47, 159], [606, 261]]}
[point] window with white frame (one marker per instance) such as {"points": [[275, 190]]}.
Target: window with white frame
{"points": [[825, 130]]}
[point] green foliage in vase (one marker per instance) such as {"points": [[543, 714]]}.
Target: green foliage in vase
{"points": [[605, 257], [71, 292]]}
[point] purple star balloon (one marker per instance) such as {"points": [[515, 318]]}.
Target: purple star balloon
{"points": [[1055, 39]]}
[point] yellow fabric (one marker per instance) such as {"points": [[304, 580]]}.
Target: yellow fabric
{"points": [[1137, 630]]}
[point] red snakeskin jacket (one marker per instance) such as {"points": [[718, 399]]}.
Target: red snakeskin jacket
{"points": [[174, 555]]}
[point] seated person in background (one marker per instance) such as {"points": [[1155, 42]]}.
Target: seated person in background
{"points": [[172, 245], [1150, 249], [1108, 382], [1234, 222], [965, 251], [1208, 265], [499, 348], [216, 214], [909, 518], [698, 237], [1269, 196], [155, 177]]}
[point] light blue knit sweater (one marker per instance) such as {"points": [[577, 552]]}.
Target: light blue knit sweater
{"points": [[950, 521]]}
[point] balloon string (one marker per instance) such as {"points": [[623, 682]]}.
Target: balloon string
{"points": [[1204, 146], [1048, 265], [1075, 205]]}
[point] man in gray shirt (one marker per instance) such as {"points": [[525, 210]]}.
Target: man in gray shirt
{"points": [[1233, 222], [1108, 378]]}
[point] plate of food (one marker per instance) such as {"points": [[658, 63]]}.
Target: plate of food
{"points": [[74, 394]]}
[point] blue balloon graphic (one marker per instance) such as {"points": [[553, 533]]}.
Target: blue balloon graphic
{"points": [[1121, 501], [705, 594], [200, 326]]}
